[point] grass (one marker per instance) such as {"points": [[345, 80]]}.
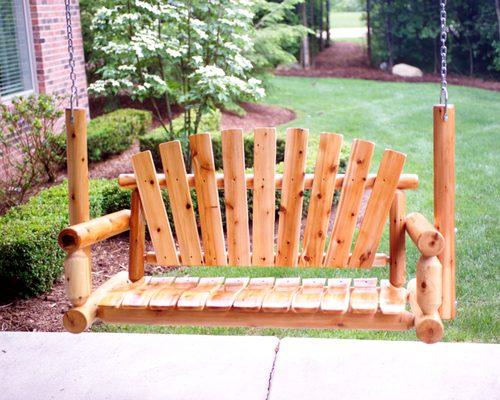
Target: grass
{"points": [[351, 19], [399, 116]]}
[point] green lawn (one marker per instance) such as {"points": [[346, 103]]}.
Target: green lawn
{"points": [[399, 116], [351, 19]]}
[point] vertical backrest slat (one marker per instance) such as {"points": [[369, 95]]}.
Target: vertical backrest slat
{"points": [[264, 193], [235, 196], [320, 205], [154, 209], [291, 197], [349, 203], [181, 203], [208, 199], [377, 209]]}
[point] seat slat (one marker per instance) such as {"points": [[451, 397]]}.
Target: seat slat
{"points": [[290, 213], [308, 298], [208, 199], [392, 299], [115, 297], [320, 205], [364, 296], [141, 295], [280, 298], [181, 203], [235, 197], [223, 298], [154, 209], [349, 204], [166, 298], [250, 298], [336, 297], [195, 298], [264, 194], [377, 209]]}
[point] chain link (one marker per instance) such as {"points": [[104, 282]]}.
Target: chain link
{"points": [[443, 97], [73, 99]]}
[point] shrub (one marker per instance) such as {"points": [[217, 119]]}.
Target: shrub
{"points": [[30, 259], [110, 134], [26, 126]]}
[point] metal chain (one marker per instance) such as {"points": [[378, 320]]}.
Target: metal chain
{"points": [[73, 99], [443, 97]]}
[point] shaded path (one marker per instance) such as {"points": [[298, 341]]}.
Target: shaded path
{"points": [[349, 60]]}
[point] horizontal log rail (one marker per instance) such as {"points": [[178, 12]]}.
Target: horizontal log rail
{"points": [[398, 322], [429, 241], [96, 230], [406, 181], [381, 259]]}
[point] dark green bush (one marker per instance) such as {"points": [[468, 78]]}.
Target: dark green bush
{"points": [[30, 259], [111, 133]]}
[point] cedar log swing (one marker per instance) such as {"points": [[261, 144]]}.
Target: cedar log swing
{"points": [[266, 302], [132, 297]]}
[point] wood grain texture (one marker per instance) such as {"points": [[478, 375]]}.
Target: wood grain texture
{"points": [[250, 298], [397, 239], [279, 299], [223, 298], [392, 299], [208, 199], [429, 327], [235, 197], [167, 297], [263, 196], [336, 297], [377, 209], [426, 237], [349, 204], [444, 201], [292, 194], [364, 296], [181, 203], [320, 205], [308, 298], [136, 239], [154, 209], [195, 299]]}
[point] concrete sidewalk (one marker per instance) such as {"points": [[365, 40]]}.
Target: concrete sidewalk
{"points": [[132, 366]]}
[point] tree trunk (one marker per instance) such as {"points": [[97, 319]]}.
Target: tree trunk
{"points": [[304, 49], [328, 23], [497, 8], [321, 25], [388, 21], [312, 25], [368, 31]]}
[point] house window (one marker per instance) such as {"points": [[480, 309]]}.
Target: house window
{"points": [[16, 58]]}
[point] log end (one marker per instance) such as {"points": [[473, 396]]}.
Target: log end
{"points": [[429, 329], [68, 240], [75, 321], [430, 243]]}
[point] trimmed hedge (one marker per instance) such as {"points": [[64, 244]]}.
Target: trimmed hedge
{"points": [[209, 123], [30, 259], [110, 134]]}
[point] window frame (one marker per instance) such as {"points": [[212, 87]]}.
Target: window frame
{"points": [[31, 57]]}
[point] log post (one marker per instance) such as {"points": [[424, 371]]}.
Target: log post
{"points": [[137, 238], [397, 233], [77, 266], [444, 201]]}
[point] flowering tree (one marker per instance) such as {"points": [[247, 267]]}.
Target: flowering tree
{"points": [[188, 52]]}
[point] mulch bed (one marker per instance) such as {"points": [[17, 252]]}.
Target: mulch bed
{"points": [[349, 60], [45, 312]]}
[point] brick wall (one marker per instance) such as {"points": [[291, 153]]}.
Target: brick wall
{"points": [[48, 21]]}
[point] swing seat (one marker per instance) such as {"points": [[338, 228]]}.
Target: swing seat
{"points": [[352, 241]]}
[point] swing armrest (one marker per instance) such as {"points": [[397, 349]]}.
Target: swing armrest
{"points": [[96, 230], [429, 241]]}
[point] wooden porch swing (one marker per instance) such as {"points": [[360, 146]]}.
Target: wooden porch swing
{"points": [[267, 302]]}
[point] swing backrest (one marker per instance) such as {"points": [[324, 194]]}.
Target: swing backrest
{"points": [[318, 247]]}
